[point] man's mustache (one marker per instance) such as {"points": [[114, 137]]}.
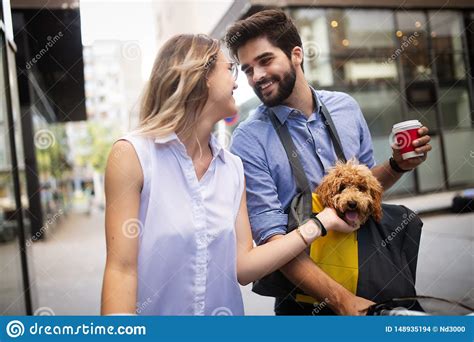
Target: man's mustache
{"points": [[259, 83]]}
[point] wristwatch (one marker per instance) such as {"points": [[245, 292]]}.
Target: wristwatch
{"points": [[324, 231], [395, 167]]}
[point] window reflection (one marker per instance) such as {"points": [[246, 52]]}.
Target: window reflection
{"points": [[363, 52], [11, 281]]}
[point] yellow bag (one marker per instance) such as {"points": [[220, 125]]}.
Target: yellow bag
{"points": [[337, 255]]}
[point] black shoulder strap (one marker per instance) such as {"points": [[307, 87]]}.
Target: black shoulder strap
{"points": [[333, 133], [292, 153], [302, 183]]}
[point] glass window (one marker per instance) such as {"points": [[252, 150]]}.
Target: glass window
{"points": [[450, 58], [354, 52], [446, 31], [363, 53], [360, 31], [11, 281]]}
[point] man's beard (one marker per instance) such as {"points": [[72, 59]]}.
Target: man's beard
{"points": [[284, 90]]}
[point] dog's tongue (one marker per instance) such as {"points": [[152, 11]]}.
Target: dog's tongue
{"points": [[351, 215]]}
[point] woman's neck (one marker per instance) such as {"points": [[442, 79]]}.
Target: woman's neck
{"points": [[197, 142]]}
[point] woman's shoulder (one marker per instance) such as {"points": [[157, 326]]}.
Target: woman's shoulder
{"points": [[135, 139], [234, 161], [123, 164], [232, 157]]}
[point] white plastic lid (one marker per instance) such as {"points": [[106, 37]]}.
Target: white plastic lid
{"points": [[403, 126]]}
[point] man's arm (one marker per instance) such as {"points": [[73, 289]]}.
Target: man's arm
{"points": [[387, 176], [304, 273], [269, 222]]}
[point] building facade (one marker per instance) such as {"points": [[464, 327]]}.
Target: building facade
{"points": [[400, 62], [15, 288]]}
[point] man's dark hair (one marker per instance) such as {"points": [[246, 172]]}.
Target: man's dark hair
{"points": [[273, 24]]}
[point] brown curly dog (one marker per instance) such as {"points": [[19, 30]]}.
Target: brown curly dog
{"points": [[352, 190]]}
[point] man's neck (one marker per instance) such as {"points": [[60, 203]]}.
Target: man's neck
{"points": [[301, 98]]}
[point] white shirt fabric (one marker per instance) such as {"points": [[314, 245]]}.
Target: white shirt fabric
{"points": [[187, 262]]}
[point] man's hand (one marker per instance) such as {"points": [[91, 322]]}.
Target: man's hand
{"points": [[421, 146], [331, 221], [354, 306]]}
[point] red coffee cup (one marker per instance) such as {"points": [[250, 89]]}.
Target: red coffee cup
{"points": [[404, 134]]}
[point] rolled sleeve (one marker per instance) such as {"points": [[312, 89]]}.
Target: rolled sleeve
{"points": [[277, 223], [366, 154], [266, 215]]}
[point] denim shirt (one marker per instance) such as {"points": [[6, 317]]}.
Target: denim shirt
{"points": [[269, 178]]}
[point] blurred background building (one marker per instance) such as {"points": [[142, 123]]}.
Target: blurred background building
{"points": [[71, 74], [400, 61]]}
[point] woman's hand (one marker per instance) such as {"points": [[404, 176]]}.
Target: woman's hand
{"points": [[331, 221]]}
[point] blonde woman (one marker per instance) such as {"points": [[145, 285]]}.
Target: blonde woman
{"points": [[177, 229]]}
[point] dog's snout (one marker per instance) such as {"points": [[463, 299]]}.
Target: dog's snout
{"points": [[352, 204]]}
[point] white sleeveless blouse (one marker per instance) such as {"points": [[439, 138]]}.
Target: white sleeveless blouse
{"points": [[187, 261]]}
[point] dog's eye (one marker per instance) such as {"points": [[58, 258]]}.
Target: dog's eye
{"points": [[341, 187], [362, 188]]}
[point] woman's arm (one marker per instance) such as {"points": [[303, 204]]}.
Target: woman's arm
{"points": [[254, 263], [123, 183]]}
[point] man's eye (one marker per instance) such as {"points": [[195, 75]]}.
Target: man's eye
{"points": [[265, 61]]}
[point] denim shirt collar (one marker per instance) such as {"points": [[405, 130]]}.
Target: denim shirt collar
{"points": [[282, 112]]}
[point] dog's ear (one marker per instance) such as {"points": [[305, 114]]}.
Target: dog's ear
{"points": [[325, 189], [376, 192]]}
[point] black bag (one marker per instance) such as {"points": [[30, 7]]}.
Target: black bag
{"points": [[387, 251], [463, 202]]}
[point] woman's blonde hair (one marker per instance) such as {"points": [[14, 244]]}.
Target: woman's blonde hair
{"points": [[177, 90]]}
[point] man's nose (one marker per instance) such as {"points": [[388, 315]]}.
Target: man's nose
{"points": [[258, 74]]}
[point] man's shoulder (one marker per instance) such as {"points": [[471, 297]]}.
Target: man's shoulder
{"points": [[256, 123], [341, 106], [329, 97]]}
